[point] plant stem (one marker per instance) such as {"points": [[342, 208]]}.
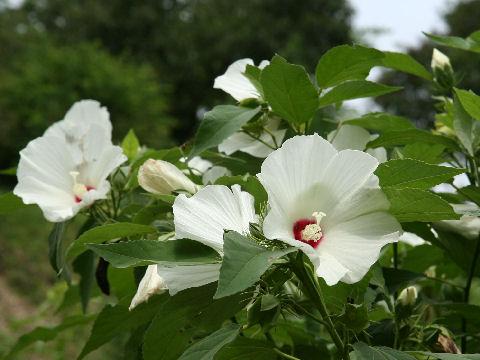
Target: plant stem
{"points": [[313, 291], [467, 291], [258, 139], [272, 135], [286, 356]]}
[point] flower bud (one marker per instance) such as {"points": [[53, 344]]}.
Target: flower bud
{"points": [[151, 284], [408, 296], [440, 60], [162, 177]]}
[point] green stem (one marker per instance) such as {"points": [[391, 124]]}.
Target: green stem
{"points": [[312, 290], [286, 356], [272, 135], [467, 291], [258, 139]]}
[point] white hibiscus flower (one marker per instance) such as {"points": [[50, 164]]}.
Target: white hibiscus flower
{"points": [[356, 138], [329, 204], [205, 168], [64, 170], [235, 83], [204, 217]]}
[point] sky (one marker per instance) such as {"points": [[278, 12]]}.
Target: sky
{"points": [[402, 21]]}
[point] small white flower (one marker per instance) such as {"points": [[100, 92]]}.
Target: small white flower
{"points": [[440, 60], [204, 217], [151, 284], [235, 83], [356, 138], [408, 296], [162, 177], [328, 204], [247, 144], [65, 171]]}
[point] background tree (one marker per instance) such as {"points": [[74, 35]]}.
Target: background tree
{"points": [[414, 102], [190, 42]]}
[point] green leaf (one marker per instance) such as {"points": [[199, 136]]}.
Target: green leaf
{"points": [[130, 145], [47, 333], [429, 153], [446, 356], [409, 173], [468, 311], [117, 319], [382, 122], [470, 43], [344, 63], [402, 137], [405, 63], [395, 279], [10, 203], [244, 348], [354, 90], [144, 252], [220, 123], [289, 91], [85, 267], [55, 254], [105, 233], [466, 128], [418, 205], [253, 74], [206, 348], [364, 352], [10, 171], [470, 102], [187, 315], [243, 263], [338, 295]]}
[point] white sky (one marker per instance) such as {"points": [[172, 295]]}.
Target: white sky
{"points": [[401, 23], [402, 20]]}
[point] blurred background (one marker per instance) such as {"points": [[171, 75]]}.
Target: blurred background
{"points": [[153, 63]]}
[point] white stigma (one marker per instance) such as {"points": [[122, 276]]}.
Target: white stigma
{"points": [[78, 189], [313, 232]]}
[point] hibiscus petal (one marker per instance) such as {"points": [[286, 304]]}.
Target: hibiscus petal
{"points": [[151, 284], [213, 209], [235, 83], [179, 278], [349, 137], [49, 161], [356, 244]]}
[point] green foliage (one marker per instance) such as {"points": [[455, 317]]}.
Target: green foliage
{"points": [[470, 102], [409, 173], [182, 319], [130, 145], [289, 91], [466, 128], [44, 333], [144, 252], [344, 63], [402, 137], [220, 123], [354, 90], [57, 76], [382, 122], [244, 263], [206, 348], [105, 233], [117, 319], [418, 205], [10, 202], [364, 352], [471, 42]]}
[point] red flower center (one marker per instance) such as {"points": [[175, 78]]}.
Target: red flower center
{"points": [[298, 228], [77, 199]]}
